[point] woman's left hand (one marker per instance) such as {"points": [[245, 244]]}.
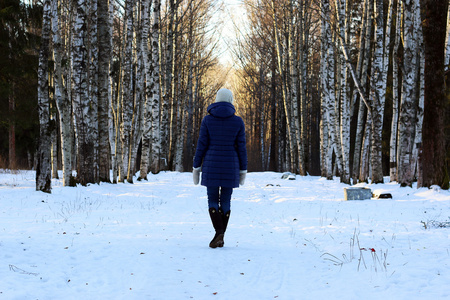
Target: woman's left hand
{"points": [[196, 175]]}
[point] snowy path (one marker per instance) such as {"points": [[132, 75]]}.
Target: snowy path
{"points": [[285, 240]]}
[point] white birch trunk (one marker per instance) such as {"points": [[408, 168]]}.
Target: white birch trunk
{"points": [[447, 43], [139, 109], [331, 112], [407, 112], [155, 90], [395, 100], [345, 101], [377, 95], [92, 45], [112, 116], [82, 104], [62, 100], [420, 71], [43, 170], [104, 58], [147, 108], [363, 65], [324, 125], [127, 94]]}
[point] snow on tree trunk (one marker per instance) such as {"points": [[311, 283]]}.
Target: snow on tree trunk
{"points": [[43, 170]]}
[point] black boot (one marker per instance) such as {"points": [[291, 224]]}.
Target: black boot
{"points": [[225, 218], [217, 222]]}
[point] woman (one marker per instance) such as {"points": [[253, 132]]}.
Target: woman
{"points": [[221, 156]]}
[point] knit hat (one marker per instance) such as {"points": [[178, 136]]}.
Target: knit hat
{"points": [[224, 95]]}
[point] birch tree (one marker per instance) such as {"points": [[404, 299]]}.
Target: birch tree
{"points": [[104, 81], [343, 94], [62, 100], [43, 170], [409, 96], [127, 93], [84, 108], [362, 69], [155, 90], [396, 69], [378, 93], [147, 105]]}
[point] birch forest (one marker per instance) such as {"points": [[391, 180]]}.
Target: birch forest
{"points": [[113, 90]]}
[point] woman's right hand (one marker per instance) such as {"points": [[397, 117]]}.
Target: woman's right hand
{"points": [[242, 175]]}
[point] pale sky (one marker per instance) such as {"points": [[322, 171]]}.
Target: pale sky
{"points": [[233, 11]]}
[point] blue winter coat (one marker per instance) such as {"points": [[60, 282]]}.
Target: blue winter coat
{"points": [[221, 146]]}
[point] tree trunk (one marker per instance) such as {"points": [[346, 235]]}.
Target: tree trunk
{"points": [[62, 100], [447, 43], [92, 52], [126, 130], [84, 108], [362, 69], [409, 96], [146, 131], [344, 126], [104, 58], [155, 88], [395, 99], [290, 124], [12, 131], [433, 153], [43, 170], [378, 94]]}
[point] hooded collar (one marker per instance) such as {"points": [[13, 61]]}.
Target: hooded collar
{"points": [[221, 109]]}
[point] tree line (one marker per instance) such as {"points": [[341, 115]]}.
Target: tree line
{"points": [[349, 88], [122, 86]]}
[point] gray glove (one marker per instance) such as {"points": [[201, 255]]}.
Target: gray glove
{"points": [[242, 174], [196, 174]]}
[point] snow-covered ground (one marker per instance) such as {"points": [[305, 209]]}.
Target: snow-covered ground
{"points": [[287, 239]]}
